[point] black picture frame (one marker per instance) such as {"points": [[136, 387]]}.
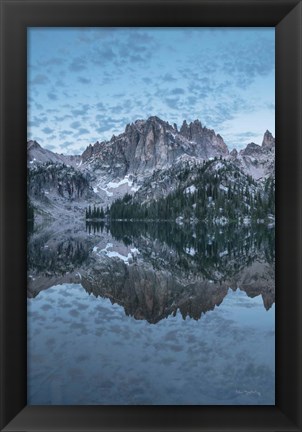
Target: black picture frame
{"points": [[286, 17]]}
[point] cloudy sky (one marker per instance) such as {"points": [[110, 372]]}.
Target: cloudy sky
{"points": [[85, 85]]}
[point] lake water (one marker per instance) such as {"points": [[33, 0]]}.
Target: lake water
{"points": [[152, 314]]}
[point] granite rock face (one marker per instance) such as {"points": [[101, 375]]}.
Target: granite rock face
{"points": [[268, 140], [148, 145], [208, 143]]}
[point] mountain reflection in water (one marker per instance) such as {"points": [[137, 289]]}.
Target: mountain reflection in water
{"points": [[152, 270], [155, 273]]}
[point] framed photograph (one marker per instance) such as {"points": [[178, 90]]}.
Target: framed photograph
{"points": [[150, 227]]}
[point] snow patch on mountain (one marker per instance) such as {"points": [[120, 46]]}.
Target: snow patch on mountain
{"points": [[190, 189], [123, 253], [224, 188], [114, 185]]}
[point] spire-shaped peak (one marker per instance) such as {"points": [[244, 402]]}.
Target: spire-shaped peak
{"points": [[268, 140], [189, 130], [197, 123]]}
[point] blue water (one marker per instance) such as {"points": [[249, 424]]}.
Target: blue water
{"points": [[83, 350]]}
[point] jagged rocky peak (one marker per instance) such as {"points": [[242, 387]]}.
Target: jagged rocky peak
{"points": [[253, 149], [136, 126], [89, 151], [151, 144], [268, 140], [92, 149], [37, 155], [32, 144], [250, 149], [156, 138], [192, 130], [258, 160], [213, 144], [143, 125], [156, 124], [234, 153], [188, 130]]}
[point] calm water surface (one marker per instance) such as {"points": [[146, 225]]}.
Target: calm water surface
{"points": [[151, 314]]}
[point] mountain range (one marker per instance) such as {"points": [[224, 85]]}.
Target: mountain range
{"points": [[146, 161]]}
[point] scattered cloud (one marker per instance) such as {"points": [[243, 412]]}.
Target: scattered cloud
{"points": [[177, 91], [82, 131], [147, 80], [246, 62], [78, 64], [52, 96], [60, 83], [40, 79], [75, 125], [111, 124], [100, 106], [60, 119], [172, 102], [192, 100], [245, 135], [168, 77], [37, 121], [84, 80], [51, 147], [80, 111], [54, 61], [64, 133], [47, 130], [100, 79], [105, 127], [103, 55]]}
